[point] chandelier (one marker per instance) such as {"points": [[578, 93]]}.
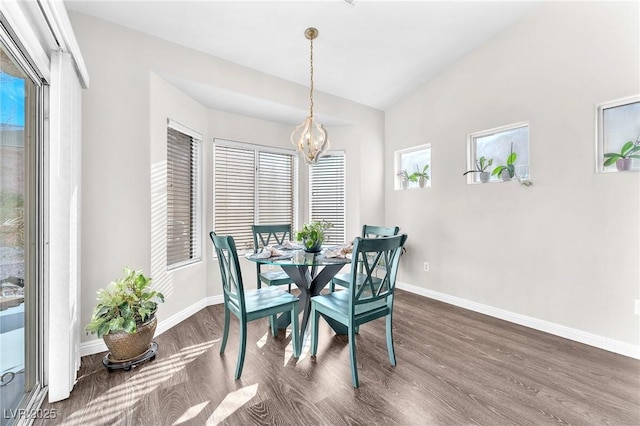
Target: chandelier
{"points": [[309, 138]]}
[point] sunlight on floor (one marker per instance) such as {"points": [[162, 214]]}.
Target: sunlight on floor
{"points": [[191, 413], [232, 402], [109, 406]]}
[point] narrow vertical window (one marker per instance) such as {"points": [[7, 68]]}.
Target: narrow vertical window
{"points": [[328, 195], [182, 196]]}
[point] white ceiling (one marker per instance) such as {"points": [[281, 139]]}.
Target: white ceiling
{"points": [[374, 52]]}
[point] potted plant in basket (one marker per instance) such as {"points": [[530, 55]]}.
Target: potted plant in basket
{"points": [[420, 176], [623, 158], [481, 167], [125, 315], [312, 235], [509, 171]]}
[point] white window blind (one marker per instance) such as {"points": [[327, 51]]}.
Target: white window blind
{"points": [[182, 198], [327, 190], [252, 185], [275, 188]]}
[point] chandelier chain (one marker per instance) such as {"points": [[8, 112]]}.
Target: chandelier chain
{"points": [[311, 84]]}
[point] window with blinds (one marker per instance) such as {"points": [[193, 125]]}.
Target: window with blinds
{"points": [[182, 198], [327, 195], [252, 185]]}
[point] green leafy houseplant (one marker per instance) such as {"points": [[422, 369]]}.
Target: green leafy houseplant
{"points": [[124, 305], [312, 235], [420, 176], [622, 159], [510, 167], [481, 167]]}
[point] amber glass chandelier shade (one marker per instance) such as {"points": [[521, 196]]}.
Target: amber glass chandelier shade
{"points": [[311, 140]]}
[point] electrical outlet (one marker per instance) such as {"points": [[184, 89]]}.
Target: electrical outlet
{"points": [[426, 266]]}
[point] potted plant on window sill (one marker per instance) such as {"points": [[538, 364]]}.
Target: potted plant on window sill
{"points": [[508, 171], [405, 178], [312, 235], [420, 176], [125, 316], [623, 159], [481, 167]]}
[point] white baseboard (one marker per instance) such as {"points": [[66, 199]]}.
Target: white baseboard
{"points": [[97, 345], [590, 339]]}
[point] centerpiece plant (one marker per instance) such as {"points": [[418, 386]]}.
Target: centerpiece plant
{"points": [[312, 235]]}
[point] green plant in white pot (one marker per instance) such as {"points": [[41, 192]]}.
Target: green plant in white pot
{"points": [[312, 235], [420, 175], [508, 171], [623, 159], [125, 315], [481, 167]]}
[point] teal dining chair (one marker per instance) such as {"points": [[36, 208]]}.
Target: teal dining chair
{"points": [[368, 231], [369, 296], [264, 235], [250, 305]]}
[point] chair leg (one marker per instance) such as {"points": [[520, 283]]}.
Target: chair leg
{"points": [[332, 287], [295, 331], [274, 325], [352, 356], [225, 332], [315, 316], [392, 353], [241, 348]]}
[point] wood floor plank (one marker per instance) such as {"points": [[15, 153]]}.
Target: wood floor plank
{"points": [[454, 367]]}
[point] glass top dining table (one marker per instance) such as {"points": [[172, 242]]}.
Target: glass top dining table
{"points": [[310, 272]]}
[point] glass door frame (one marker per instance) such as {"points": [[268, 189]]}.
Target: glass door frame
{"points": [[36, 229]]}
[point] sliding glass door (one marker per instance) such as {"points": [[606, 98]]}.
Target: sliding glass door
{"points": [[21, 332]]}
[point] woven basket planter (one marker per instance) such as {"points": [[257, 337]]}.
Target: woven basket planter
{"points": [[125, 346]]}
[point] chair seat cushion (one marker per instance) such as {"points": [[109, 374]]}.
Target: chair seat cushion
{"points": [[275, 278], [338, 302], [267, 297]]}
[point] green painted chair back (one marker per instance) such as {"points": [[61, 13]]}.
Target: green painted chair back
{"points": [[373, 231], [265, 235], [232, 285], [368, 231], [374, 283]]}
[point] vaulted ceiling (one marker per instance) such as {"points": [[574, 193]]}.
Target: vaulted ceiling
{"points": [[371, 52]]}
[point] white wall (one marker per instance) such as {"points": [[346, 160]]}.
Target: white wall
{"points": [[566, 250], [124, 134]]}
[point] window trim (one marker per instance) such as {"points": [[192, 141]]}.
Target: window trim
{"points": [[397, 166], [197, 231], [599, 131], [472, 150]]}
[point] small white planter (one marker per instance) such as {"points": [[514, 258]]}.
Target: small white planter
{"points": [[484, 177]]}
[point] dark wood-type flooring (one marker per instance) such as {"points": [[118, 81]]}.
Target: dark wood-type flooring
{"points": [[455, 367]]}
